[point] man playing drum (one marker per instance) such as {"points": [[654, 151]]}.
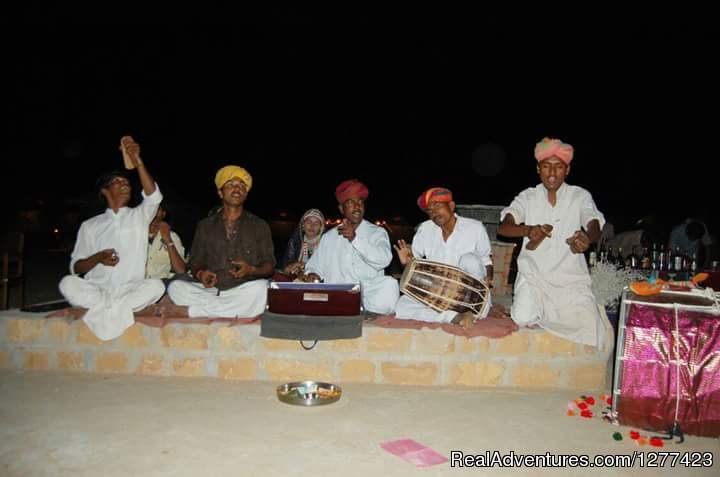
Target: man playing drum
{"points": [[356, 252], [553, 287], [458, 241]]}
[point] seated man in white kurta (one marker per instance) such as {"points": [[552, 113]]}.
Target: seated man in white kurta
{"points": [[559, 222], [356, 252], [458, 241], [111, 251], [231, 256]]}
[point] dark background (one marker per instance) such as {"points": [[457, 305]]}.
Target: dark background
{"points": [[402, 99]]}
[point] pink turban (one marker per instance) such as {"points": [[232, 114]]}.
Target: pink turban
{"points": [[553, 147], [351, 188], [438, 194]]}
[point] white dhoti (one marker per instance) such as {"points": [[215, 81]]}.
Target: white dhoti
{"points": [[553, 287], [243, 301], [571, 313], [380, 294], [409, 308], [110, 310]]}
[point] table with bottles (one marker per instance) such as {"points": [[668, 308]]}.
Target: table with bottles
{"points": [[658, 262]]}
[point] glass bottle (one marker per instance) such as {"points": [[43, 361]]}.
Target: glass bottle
{"points": [[645, 260]]}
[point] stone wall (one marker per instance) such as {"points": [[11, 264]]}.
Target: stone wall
{"points": [[526, 359]]}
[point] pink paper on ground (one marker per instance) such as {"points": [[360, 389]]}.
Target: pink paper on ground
{"points": [[414, 452]]}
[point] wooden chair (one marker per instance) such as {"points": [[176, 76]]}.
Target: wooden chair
{"points": [[12, 267]]}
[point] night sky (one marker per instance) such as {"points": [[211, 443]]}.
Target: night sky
{"points": [[401, 100]]}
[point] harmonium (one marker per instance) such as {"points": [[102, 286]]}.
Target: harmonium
{"points": [[667, 363], [297, 298], [312, 311]]}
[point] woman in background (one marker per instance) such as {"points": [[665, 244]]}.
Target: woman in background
{"points": [[303, 242]]}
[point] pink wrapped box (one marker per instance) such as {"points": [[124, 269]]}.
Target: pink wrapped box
{"points": [[667, 369]]}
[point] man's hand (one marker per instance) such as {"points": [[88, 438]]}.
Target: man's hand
{"points": [[164, 229], [207, 278], [404, 252], [108, 257], [294, 268], [311, 278], [131, 152], [241, 269], [537, 234], [579, 242], [346, 230]]}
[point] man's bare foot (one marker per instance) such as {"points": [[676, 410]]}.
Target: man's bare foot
{"points": [[464, 319], [494, 327], [509, 321]]}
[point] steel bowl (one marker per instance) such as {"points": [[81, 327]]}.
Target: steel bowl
{"points": [[308, 393]]}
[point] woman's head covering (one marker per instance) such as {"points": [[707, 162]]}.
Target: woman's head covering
{"points": [[313, 213], [308, 246]]}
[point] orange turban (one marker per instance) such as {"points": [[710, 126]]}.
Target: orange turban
{"points": [[438, 194], [553, 147]]}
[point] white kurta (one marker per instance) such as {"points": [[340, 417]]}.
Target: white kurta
{"points": [[363, 261], [112, 293], [468, 247], [158, 258], [553, 287]]}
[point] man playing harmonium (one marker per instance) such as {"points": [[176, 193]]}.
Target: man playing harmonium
{"points": [[231, 255], [456, 241], [553, 286], [356, 251]]}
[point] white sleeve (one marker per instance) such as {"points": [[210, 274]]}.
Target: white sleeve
{"points": [[315, 264], [84, 246], [517, 208], [375, 249], [589, 211], [419, 242], [149, 205], [178, 244], [483, 249]]}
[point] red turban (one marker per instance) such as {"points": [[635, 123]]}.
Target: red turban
{"points": [[349, 189], [438, 194], [553, 147]]}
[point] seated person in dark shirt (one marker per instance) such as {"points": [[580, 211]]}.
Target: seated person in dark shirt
{"points": [[231, 256]]}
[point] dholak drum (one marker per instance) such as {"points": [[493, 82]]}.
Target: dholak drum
{"points": [[444, 287]]}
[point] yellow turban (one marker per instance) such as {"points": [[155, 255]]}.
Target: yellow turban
{"points": [[230, 172]]}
